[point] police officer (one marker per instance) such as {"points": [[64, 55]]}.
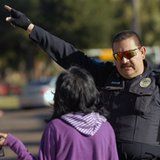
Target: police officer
{"points": [[129, 87]]}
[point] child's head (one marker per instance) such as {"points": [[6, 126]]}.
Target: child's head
{"points": [[75, 92]]}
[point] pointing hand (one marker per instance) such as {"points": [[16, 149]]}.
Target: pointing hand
{"points": [[17, 18]]}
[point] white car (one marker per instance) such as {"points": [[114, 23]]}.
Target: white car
{"points": [[38, 93]]}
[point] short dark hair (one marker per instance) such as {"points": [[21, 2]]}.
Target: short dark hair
{"points": [[75, 92], [127, 34]]}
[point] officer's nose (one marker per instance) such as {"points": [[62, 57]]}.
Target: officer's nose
{"points": [[124, 60]]}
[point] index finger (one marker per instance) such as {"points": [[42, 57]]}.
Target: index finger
{"points": [[8, 8]]}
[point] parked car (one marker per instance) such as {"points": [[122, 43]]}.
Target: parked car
{"points": [[38, 93]]}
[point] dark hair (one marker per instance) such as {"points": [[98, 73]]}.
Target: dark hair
{"points": [[127, 34], [75, 92]]}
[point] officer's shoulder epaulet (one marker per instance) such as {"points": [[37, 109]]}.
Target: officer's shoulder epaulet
{"points": [[156, 74]]}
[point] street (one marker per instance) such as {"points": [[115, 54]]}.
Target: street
{"points": [[27, 125]]}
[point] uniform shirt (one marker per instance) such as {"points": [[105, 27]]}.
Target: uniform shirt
{"points": [[134, 104]]}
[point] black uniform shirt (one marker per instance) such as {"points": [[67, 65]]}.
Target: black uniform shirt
{"points": [[134, 105]]}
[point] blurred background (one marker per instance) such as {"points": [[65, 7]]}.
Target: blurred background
{"points": [[88, 24]]}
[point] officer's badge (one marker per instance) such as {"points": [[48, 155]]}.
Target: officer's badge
{"points": [[145, 82]]}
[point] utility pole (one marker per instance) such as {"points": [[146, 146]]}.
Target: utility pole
{"points": [[135, 26]]}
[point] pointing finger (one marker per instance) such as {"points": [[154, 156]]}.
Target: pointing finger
{"points": [[8, 8]]}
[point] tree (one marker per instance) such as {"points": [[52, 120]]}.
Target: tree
{"points": [[87, 27]]}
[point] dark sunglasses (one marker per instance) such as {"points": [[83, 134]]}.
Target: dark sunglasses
{"points": [[127, 54]]}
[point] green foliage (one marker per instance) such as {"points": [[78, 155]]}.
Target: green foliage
{"points": [[83, 23], [150, 21]]}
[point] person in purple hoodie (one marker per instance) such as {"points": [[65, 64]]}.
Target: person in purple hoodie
{"points": [[78, 128]]}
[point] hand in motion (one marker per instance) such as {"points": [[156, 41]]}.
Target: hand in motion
{"points": [[17, 18], [3, 137]]}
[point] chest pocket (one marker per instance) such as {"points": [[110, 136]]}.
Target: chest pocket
{"points": [[134, 98], [146, 97], [114, 99], [144, 102]]}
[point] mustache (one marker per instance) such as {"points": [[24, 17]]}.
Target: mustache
{"points": [[126, 65]]}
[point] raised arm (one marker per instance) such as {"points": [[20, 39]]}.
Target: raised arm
{"points": [[63, 53], [52, 45]]}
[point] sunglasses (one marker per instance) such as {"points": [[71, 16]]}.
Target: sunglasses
{"points": [[127, 54]]}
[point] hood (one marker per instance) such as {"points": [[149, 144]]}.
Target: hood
{"points": [[87, 124]]}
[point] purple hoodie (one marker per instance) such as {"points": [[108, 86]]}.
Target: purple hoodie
{"points": [[73, 137]]}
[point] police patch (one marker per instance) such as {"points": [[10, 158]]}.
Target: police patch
{"points": [[145, 82]]}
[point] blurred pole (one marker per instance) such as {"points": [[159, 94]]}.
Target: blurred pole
{"points": [[135, 26]]}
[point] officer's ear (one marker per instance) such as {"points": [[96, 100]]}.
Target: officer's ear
{"points": [[143, 52]]}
